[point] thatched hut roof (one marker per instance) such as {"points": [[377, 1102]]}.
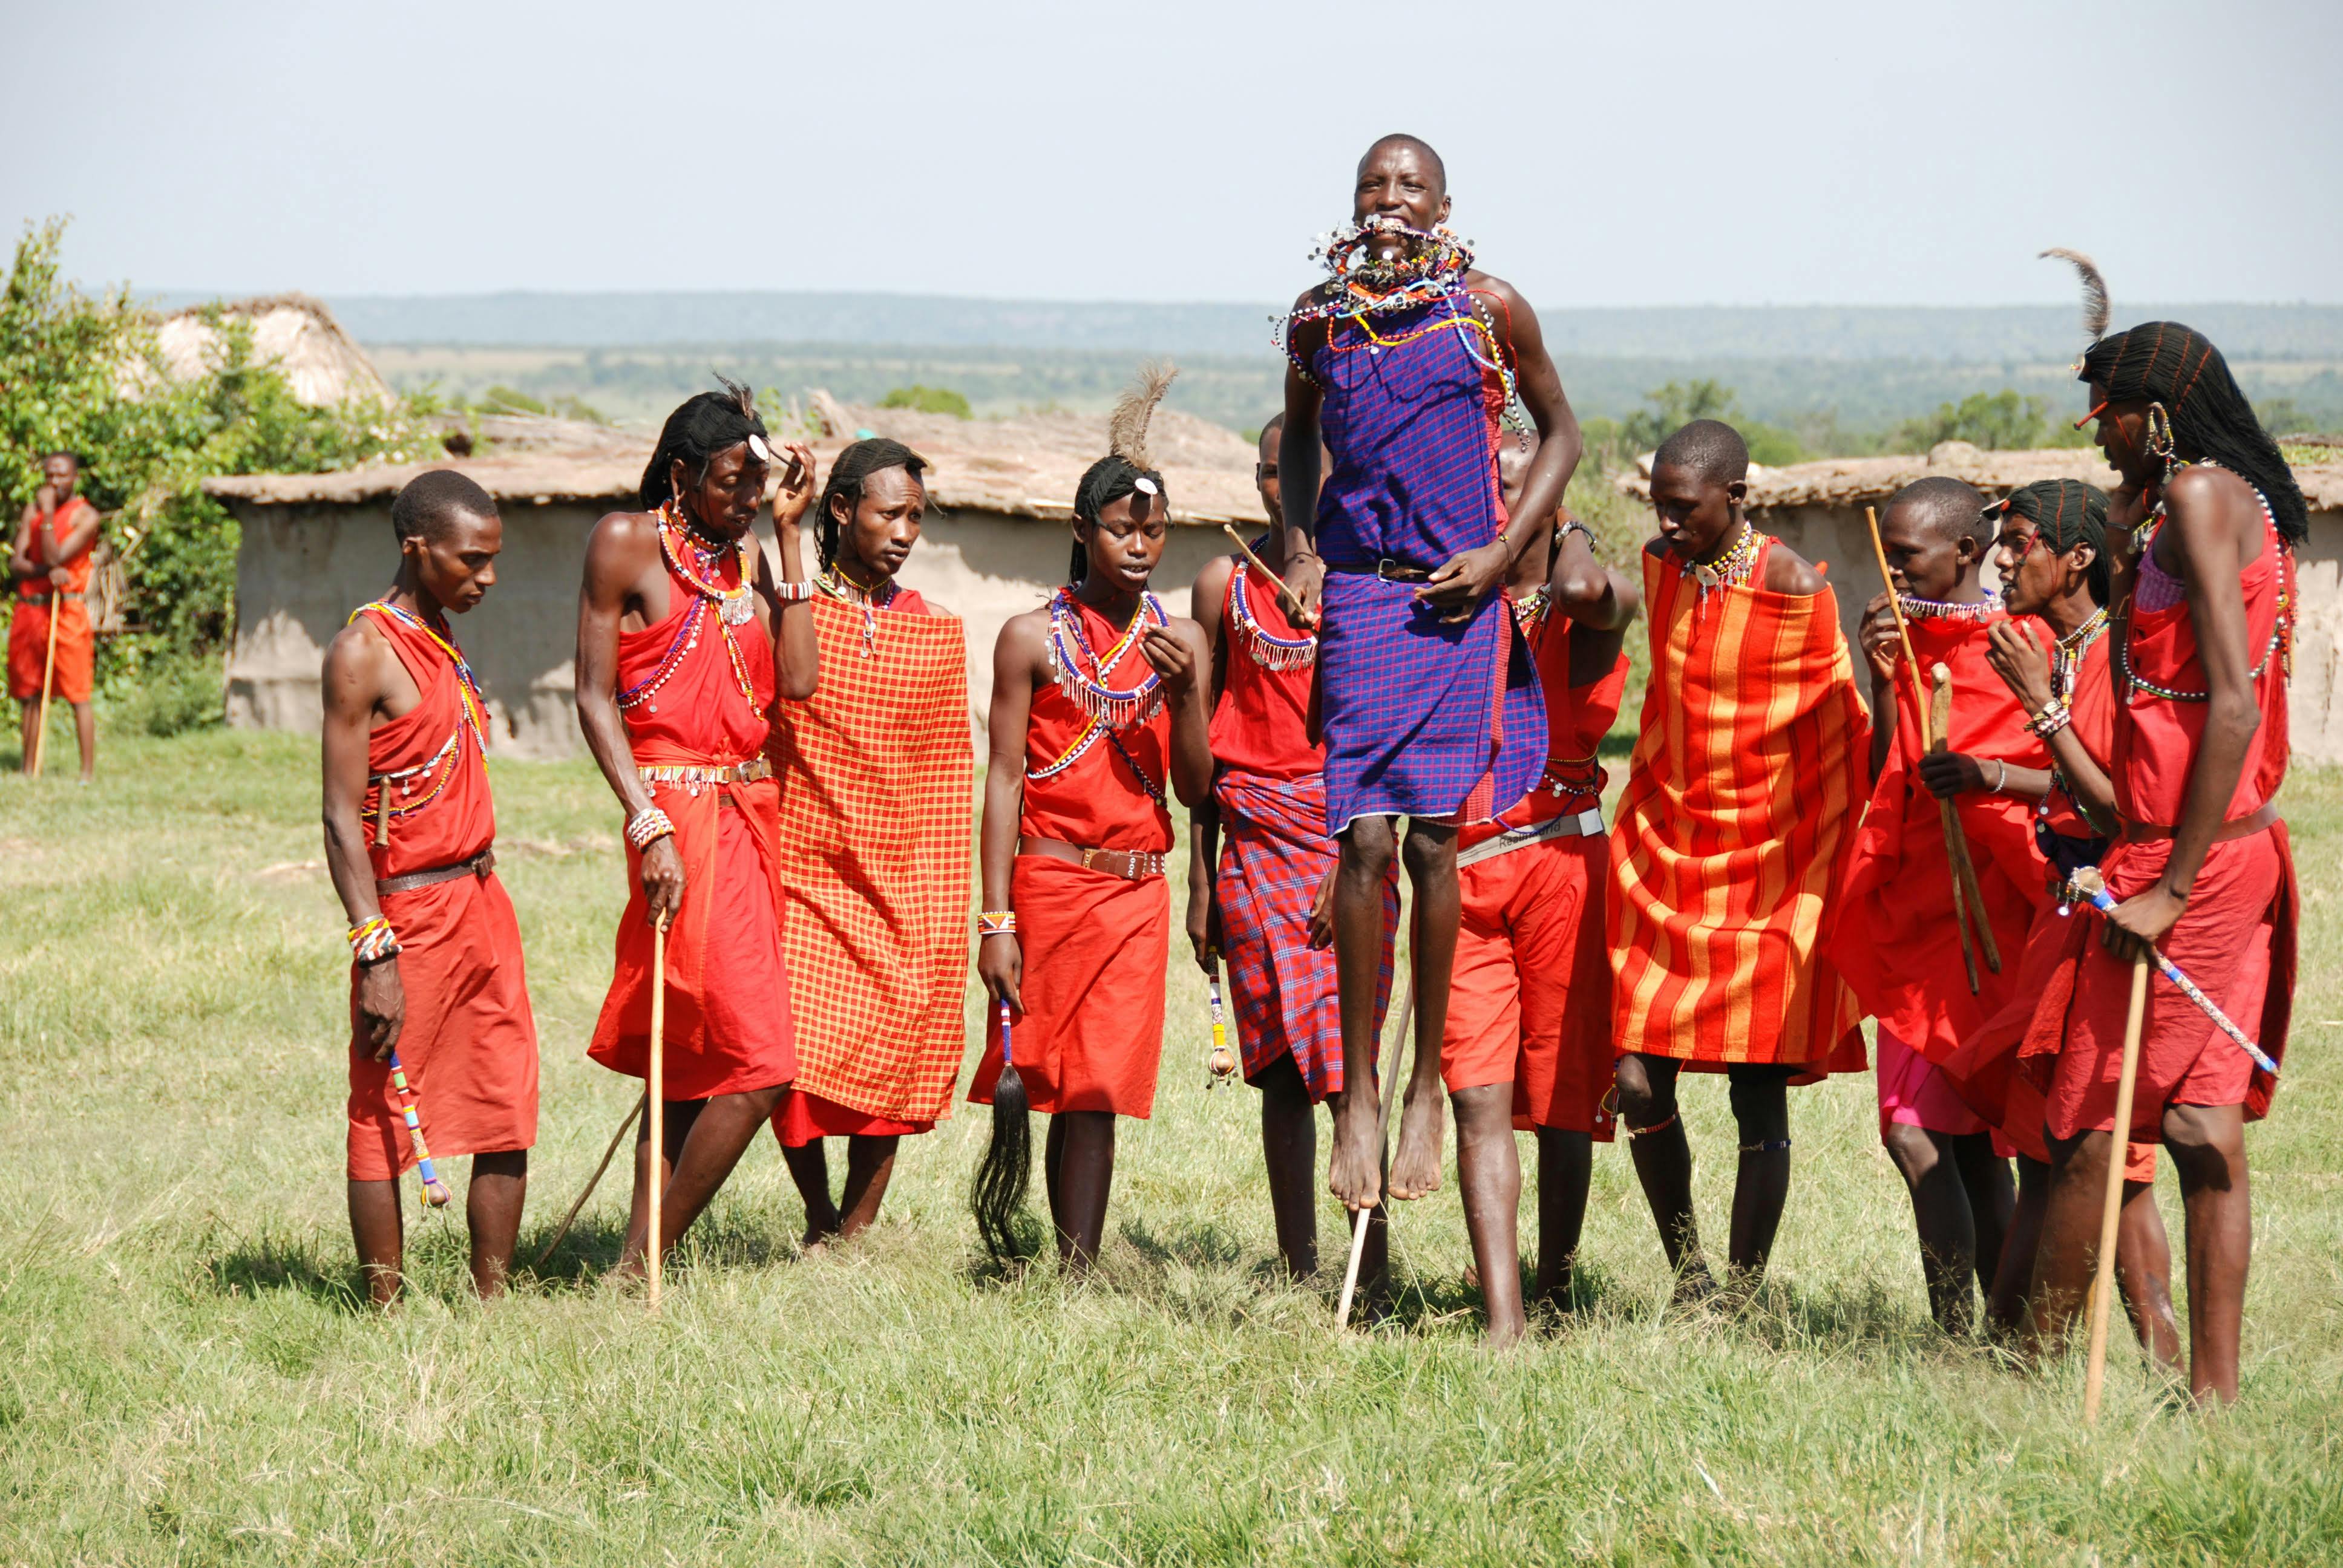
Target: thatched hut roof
{"points": [[1023, 467], [1858, 481], [294, 332]]}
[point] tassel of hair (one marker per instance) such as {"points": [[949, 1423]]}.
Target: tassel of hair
{"points": [[1003, 1177]]}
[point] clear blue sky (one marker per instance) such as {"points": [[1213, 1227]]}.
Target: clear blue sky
{"points": [[1629, 155]]}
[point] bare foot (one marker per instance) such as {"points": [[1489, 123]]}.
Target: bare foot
{"points": [[1415, 1169], [1695, 1284], [1354, 1175]]}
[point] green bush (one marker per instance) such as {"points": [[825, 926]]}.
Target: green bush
{"points": [[928, 400], [169, 695], [1997, 421]]}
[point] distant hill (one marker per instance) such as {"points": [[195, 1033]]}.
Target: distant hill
{"points": [[1960, 335]]}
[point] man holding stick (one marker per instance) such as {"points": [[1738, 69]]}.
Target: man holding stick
{"points": [[51, 650]]}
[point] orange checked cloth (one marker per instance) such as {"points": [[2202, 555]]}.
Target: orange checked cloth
{"points": [[876, 772], [1732, 835]]}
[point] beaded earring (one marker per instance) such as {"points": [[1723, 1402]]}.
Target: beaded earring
{"points": [[2158, 437]]}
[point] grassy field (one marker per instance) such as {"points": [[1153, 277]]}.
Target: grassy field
{"points": [[188, 1379]]}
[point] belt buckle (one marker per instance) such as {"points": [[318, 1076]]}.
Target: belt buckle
{"points": [[1383, 565]]}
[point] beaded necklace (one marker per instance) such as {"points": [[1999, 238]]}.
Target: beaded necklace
{"points": [[1914, 608], [1264, 647], [467, 685], [2279, 645], [686, 632], [1731, 570], [846, 591], [1531, 609], [1366, 285], [2066, 654], [1117, 709]]}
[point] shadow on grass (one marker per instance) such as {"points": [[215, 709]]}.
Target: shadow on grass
{"points": [[267, 1264], [588, 1251]]}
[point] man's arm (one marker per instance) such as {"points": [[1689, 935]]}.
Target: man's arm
{"points": [[1586, 591], [1596, 642], [22, 566], [796, 654], [1297, 443], [621, 549], [2207, 523], [77, 538], [1017, 657], [1204, 815], [1179, 655], [353, 682]]}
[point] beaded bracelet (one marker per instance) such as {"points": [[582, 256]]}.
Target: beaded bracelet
{"points": [[790, 591], [2054, 716], [373, 941], [648, 825], [1572, 525], [996, 923]]}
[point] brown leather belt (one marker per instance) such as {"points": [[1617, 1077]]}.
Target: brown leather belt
{"points": [[480, 865], [2243, 826], [1130, 865], [72, 596], [1388, 570]]}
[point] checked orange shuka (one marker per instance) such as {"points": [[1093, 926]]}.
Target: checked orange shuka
{"points": [[876, 775], [1740, 811]]}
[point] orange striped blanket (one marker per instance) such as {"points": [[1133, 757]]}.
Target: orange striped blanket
{"points": [[1741, 809], [876, 773]]}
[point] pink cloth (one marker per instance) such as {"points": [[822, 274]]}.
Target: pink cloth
{"points": [[1914, 1093]]}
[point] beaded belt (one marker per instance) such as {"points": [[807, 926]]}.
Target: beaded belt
{"points": [[1586, 824], [1130, 865], [693, 779], [2243, 826], [70, 596], [1388, 570], [480, 865]]}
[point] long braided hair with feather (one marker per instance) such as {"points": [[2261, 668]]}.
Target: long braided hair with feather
{"points": [[2065, 513], [1129, 465], [702, 426]]}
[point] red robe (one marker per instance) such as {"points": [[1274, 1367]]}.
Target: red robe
{"points": [[469, 1043], [1094, 944], [727, 993], [29, 628]]}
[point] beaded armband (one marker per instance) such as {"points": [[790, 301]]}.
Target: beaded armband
{"points": [[793, 592], [996, 923], [371, 942], [648, 825], [2054, 716]]}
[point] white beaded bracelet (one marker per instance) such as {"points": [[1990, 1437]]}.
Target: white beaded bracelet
{"points": [[648, 825]]}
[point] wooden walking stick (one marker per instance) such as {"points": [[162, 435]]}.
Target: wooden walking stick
{"points": [[591, 1182], [48, 684], [654, 1096], [1964, 862], [1952, 823], [1382, 1137], [2103, 1288]]}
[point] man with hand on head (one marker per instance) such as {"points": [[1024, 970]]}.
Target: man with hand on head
{"points": [[51, 561]]}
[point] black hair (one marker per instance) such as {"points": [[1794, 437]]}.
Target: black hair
{"points": [[429, 504], [74, 458], [1709, 448], [1105, 482], [1954, 506], [1439, 164], [704, 424], [2176, 365], [855, 465], [2065, 513]]}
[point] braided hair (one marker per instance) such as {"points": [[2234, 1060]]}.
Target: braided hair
{"points": [[1105, 482], [847, 475], [2065, 513], [2179, 368], [704, 424]]}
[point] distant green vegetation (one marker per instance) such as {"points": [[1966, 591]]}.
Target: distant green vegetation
{"points": [[2005, 421], [928, 400], [503, 399]]}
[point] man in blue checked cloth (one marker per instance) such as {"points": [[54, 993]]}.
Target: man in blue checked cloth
{"points": [[1403, 362]]}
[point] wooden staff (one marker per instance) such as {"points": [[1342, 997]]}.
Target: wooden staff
{"points": [[1382, 1134], [1952, 823], [655, 1095], [1964, 862], [2103, 1288], [591, 1182], [1290, 600], [48, 679]]}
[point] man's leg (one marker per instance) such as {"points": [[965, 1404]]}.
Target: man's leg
{"points": [[1663, 1156], [24, 728], [1489, 1173], [1993, 1200], [1374, 1253], [810, 1170], [716, 1133], [86, 733], [2208, 1150], [1565, 1167], [870, 1166], [2069, 1252], [1082, 1148], [379, 1229], [492, 1206], [1368, 849], [2144, 1266], [1761, 1108], [1289, 1147], [1430, 856], [2005, 1303], [1940, 1205]]}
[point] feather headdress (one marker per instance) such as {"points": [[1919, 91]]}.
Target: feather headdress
{"points": [[1126, 427], [2096, 308]]}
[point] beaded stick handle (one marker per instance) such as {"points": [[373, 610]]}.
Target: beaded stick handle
{"points": [[2094, 886], [435, 1191], [1221, 1063], [1006, 1060]]}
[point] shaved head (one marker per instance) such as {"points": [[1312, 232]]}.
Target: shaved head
{"points": [[1944, 505], [1402, 139], [1708, 447], [433, 503]]}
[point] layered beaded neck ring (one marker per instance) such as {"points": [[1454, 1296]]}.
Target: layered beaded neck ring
{"points": [[1069, 650], [704, 576], [1531, 609], [1264, 647], [1731, 570], [467, 685], [846, 591], [1983, 610]]}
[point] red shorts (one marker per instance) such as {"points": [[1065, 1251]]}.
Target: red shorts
{"points": [[1914, 1093], [2224, 942], [1530, 999]]}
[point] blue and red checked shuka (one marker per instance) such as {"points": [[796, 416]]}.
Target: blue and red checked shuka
{"points": [[1415, 712]]}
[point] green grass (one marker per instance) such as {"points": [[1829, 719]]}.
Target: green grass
{"points": [[187, 1378]]}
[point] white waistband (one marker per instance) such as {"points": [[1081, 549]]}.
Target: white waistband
{"points": [[1586, 824]]}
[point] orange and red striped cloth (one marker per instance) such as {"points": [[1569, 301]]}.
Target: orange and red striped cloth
{"points": [[1740, 810], [877, 776]]}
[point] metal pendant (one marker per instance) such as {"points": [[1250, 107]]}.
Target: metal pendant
{"points": [[738, 610]]}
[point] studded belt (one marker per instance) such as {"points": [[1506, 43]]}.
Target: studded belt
{"points": [[480, 865], [1130, 865]]}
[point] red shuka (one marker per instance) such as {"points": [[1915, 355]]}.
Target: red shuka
{"points": [[728, 996], [1896, 942], [468, 1044], [1094, 944], [1261, 725], [29, 628]]}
